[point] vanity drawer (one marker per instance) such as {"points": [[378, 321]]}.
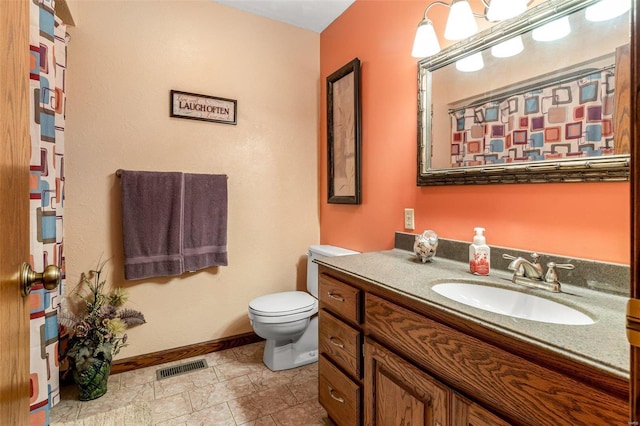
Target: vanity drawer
{"points": [[338, 394], [341, 343], [341, 299]]}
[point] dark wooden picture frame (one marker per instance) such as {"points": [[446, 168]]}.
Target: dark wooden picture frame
{"points": [[343, 135]]}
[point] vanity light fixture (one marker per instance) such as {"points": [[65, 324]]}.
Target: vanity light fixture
{"points": [[461, 23], [508, 48], [470, 63], [606, 9], [554, 30]]}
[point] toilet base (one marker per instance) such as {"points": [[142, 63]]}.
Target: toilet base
{"points": [[284, 355]]}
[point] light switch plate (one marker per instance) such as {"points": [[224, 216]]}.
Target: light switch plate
{"points": [[408, 219]]}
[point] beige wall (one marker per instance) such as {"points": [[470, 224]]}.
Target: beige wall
{"points": [[124, 57]]}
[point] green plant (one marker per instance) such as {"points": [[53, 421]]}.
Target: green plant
{"points": [[98, 328]]}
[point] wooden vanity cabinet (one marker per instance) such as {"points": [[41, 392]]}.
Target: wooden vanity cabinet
{"points": [[421, 370], [511, 387], [340, 346]]}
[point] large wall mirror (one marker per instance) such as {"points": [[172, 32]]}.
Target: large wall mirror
{"points": [[557, 111]]}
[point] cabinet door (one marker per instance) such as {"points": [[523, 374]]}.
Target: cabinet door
{"points": [[397, 393], [468, 413]]}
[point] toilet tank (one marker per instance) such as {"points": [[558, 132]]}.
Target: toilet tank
{"points": [[317, 252]]}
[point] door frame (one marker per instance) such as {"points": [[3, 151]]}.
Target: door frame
{"points": [[634, 382]]}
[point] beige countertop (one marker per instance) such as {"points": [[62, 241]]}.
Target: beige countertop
{"points": [[602, 344]]}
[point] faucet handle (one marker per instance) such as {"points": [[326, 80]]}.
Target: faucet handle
{"points": [[564, 265], [552, 276], [508, 256], [519, 271], [535, 257]]}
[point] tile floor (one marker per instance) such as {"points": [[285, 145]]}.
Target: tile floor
{"points": [[236, 389]]}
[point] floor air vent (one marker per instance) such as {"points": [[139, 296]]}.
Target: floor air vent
{"points": [[176, 370]]}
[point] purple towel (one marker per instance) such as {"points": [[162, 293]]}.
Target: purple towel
{"points": [[152, 223], [173, 222], [205, 221]]}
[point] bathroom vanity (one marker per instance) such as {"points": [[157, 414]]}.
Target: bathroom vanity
{"points": [[393, 351]]}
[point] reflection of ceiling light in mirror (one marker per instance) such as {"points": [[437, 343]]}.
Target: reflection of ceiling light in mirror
{"points": [[499, 10], [460, 23], [470, 63], [606, 9], [554, 30], [426, 42], [511, 47]]}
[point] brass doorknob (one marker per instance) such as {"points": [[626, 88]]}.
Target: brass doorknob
{"points": [[49, 278]]}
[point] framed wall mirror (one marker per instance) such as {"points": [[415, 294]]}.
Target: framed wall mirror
{"points": [[557, 111]]}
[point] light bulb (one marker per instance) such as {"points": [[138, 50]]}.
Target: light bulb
{"points": [[606, 9], [500, 10], [511, 47], [470, 63], [426, 42], [554, 30], [460, 23]]}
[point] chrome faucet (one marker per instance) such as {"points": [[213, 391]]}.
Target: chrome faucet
{"points": [[530, 273]]}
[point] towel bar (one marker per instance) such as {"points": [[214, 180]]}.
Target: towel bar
{"points": [[119, 173]]}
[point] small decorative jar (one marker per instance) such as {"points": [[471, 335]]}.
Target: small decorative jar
{"points": [[425, 245]]}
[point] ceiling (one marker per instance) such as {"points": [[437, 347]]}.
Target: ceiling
{"points": [[313, 15]]}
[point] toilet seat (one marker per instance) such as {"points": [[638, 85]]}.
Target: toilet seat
{"points": [[283, 307], [283, 303]]}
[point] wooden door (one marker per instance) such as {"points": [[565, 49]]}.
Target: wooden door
{"points": [[14, 210], [468, 413], [404, 394]]}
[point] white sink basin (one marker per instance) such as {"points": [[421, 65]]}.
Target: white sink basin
{"points": [[512, 303]]}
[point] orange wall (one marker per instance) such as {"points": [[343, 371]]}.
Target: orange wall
{"points": [[587, 220]]}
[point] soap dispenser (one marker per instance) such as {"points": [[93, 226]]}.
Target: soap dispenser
{"points": [[479, 255]]}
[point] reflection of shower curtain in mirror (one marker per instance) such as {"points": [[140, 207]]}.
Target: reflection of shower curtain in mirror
{"points": [[46, 185], [344, 136], [570, 119]]}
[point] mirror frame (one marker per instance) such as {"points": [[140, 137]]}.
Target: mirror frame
{"points": [[612, 168]]}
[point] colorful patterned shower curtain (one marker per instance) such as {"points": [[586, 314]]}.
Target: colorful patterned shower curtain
{"points": [[48, 49]]}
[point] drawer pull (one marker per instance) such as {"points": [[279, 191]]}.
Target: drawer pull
{"points": [[337, 398], [334, 297], [336, 342]]}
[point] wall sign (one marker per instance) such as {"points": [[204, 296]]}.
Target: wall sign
{"points": [[203, 107]]}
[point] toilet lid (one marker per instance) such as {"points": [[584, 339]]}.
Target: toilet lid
{"points": [[283, 303]]}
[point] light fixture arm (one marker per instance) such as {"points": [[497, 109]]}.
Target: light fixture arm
{"points": [[424, 15]]}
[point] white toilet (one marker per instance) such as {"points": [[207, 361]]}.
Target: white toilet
{"points": [[284, 319]]}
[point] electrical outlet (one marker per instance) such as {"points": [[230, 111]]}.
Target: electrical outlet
{"points": [[408, 219]]}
